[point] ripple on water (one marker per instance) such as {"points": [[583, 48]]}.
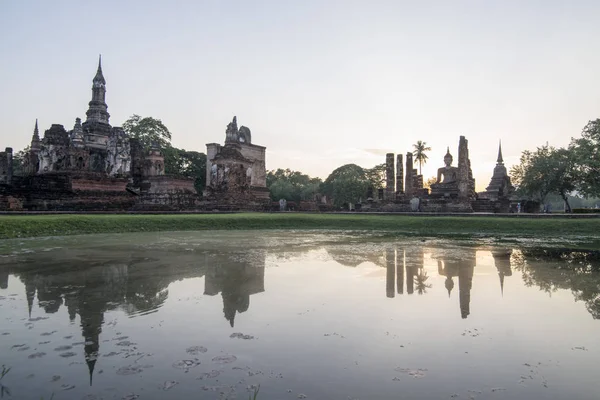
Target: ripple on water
{"points": [[186, 364], [130, 370], [208, 375], [224, 359], [195, 350], [169, 384]]}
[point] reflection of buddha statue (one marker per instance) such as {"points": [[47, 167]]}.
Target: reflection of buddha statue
{"points": [[447, 177]]}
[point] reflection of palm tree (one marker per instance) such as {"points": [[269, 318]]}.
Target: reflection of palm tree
{"points": [[420, 149], [420, 280]]}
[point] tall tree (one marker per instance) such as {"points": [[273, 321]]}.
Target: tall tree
{"points": [[376, 176], [149, 131], [420, 148], [292, 185], [347, 184], [545, 171], [586, 152]]}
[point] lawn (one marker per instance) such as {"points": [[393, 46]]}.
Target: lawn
{"points": [[21, 226]]}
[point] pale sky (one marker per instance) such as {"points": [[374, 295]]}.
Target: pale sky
{"points": [[319, 83]]}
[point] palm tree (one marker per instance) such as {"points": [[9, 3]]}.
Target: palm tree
{"points": [[420, 281], [419, 153]]}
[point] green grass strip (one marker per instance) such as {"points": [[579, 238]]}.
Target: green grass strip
{"points": [[21, 226]]}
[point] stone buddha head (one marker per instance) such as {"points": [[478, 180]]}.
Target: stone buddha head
{"points": [[448, 158]]}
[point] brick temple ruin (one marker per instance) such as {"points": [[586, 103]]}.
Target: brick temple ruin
{"points": [[94, 166], [236, 174], [453, 191], [98, 167]]}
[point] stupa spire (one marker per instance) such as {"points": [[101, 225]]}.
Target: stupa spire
{"points": [[99, 76], [35, 139], [500, 160], [98, 110]]}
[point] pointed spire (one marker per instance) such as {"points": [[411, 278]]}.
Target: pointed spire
{"points": [[500, 160], [99, 77], [449, 284], [77, 134], [98, 110], [35, 139], [91, 364], [501, 275]]}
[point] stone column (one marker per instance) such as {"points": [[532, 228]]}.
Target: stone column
{"points": [[399, 175], [9, 166], [390, 191], [408, 181], [463, 169]]}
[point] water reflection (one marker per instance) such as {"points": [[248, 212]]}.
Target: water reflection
{"points": [[90, 282], [137, 286]]}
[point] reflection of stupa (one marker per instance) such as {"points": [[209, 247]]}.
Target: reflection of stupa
{"points": [[103, 284], [502, 262], [236, 282]]}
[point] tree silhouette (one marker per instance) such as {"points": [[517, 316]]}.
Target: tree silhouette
{"points": [[420, 149], [420, 281]]}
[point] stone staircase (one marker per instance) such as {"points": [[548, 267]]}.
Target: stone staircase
{"points": [[483, 205]]}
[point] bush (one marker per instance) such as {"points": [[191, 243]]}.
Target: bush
{"points": [[586, 211]]}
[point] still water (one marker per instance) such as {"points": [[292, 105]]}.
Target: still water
{"points": [[216, 315]]}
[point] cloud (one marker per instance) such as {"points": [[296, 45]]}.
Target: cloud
{"points": [[377, 152]]}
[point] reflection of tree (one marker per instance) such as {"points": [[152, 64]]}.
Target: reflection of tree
{"points": [[554, 269], [420, 281]]}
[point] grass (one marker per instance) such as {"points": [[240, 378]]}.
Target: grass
{"points": [[22, 226]]}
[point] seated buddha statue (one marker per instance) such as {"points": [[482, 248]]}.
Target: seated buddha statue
{"points": [[447, 177]]}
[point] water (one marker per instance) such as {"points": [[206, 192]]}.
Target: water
{"points": [[214, 315]]}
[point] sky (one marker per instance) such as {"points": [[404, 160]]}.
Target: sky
{"points": [[319, 83]]}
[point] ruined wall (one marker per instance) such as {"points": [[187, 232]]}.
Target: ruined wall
{"points": [[257, 155], [212, 149], [399, 175], [409, 181], [390, 190], [95, 183], [466, 183], [6, 169]]}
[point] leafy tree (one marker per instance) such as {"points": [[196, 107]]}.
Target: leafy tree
{"points": [[420, 148], [18, 161], [149, 131], [292, 185], [586, 152], [545, 171], [347, 184], [429, 181], [192, 164], [420, 281], [376, 176], [178, 162]]}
